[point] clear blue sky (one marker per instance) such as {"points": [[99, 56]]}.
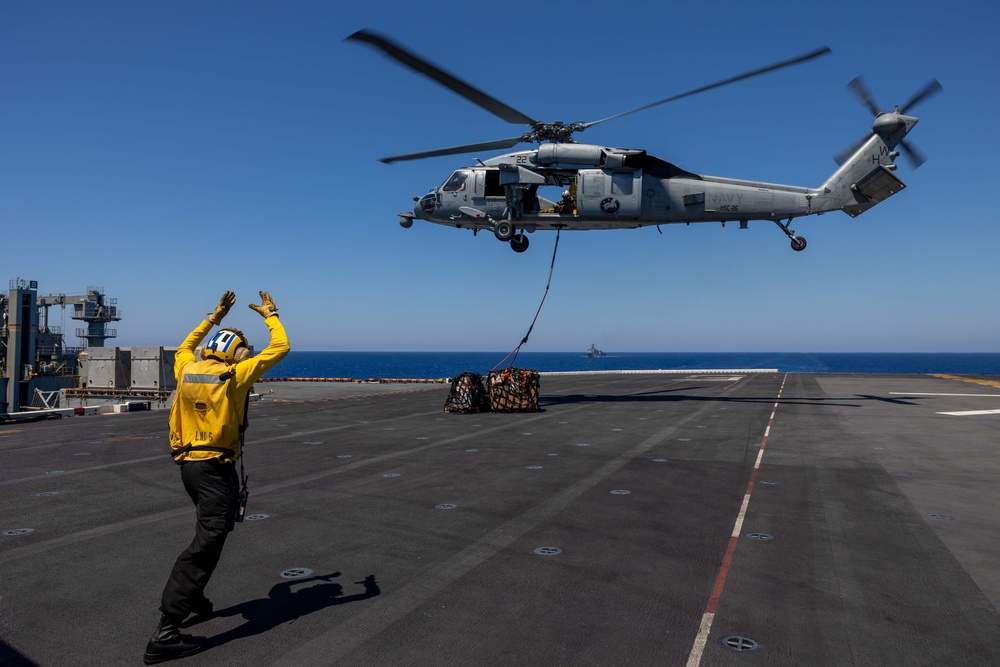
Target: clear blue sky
{"points": [[168, 151]]}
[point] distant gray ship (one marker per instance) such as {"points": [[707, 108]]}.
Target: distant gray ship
{"points": [[593, 352]]}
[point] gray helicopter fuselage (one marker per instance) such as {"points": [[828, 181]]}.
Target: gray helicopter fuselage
{"points": [[618, 188]]}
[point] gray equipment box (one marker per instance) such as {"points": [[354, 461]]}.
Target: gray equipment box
{"points": [[153, 368], [109, 368]]}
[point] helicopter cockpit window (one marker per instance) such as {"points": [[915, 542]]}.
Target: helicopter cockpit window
{"points": [[457, 181]]}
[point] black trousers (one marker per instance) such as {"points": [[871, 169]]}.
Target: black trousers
{"points": [[214, 488]]}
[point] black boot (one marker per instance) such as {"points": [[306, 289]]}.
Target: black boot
{"points": [[167, 643]]}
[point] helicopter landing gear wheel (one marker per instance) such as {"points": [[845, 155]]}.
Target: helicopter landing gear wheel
{"points": [[504, 230], [519, 243], [798, 243]]}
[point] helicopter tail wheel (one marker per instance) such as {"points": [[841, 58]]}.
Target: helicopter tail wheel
{"points": [[504, 230], [798, 243], [519, 243]]}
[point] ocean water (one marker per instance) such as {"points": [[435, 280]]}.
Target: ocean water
{"points": [[432, 365]]}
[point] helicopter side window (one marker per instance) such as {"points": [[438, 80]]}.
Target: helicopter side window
{"points": [[457, 181], [621, 183]]}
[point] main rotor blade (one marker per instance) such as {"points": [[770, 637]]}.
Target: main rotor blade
{"points": [[455, 150], [932, 88], [418, 64], [763, 70]]}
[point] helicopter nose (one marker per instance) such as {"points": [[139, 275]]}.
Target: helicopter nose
{"points": [[425, 205]]}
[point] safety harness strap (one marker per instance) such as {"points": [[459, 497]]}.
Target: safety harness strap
{"points": [[202, 448]]}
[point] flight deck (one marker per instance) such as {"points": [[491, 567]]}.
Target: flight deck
{"points": [[687, 518]]}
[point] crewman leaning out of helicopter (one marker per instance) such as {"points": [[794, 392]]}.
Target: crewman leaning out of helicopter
{"points": [[566, 204], [207, 421]]}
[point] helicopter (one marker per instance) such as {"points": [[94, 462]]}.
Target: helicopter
{"points": [[625, 188]]}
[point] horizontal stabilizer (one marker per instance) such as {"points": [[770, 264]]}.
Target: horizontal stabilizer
{"points": [[877, 186]]}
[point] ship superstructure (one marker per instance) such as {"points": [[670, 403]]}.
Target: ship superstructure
{"points": [[39, 371]]}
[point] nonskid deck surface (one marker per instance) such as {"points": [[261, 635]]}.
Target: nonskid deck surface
{"points": [[676, 519]]}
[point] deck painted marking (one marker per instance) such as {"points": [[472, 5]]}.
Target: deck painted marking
{"points": [[705, 627], [960, 413]]}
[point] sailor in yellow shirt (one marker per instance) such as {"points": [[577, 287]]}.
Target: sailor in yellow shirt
{"points": [[206, 425]]}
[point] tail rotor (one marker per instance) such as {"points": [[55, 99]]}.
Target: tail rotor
{"points": [[862, 92], [930, 89]]}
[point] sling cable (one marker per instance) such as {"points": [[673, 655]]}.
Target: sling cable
{"points": [[513, 354]]}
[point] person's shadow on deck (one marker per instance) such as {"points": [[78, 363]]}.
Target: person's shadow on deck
{"points": [[283, 605]]}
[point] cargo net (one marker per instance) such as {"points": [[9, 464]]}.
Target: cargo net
{"points": [[467, 394], [513, 390]]}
